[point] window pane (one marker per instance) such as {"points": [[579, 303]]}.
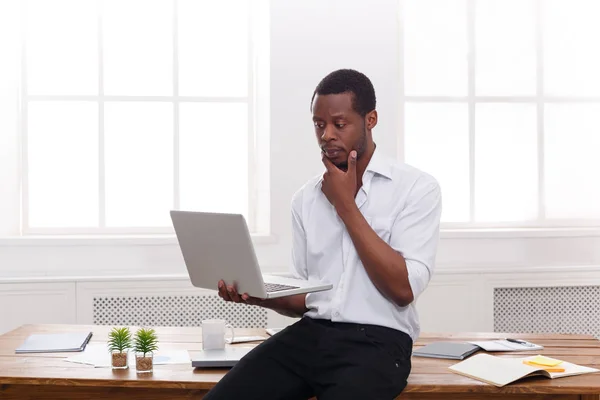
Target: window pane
{"points": [[435, 47], [62, 47], [506, 173], [62, 146], [138, 47], [139, 163], [572, 145], [571, 58], [506, 58], [214, 157], [9, 78], [209, 66], [437, 141]]}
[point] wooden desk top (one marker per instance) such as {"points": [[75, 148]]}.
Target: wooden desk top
{"points": [[428, 376]]}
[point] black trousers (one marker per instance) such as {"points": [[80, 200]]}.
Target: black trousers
{"points": [[330, 360]]}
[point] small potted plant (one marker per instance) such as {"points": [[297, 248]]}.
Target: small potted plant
{"points": [[145, 344], [119, 343]]}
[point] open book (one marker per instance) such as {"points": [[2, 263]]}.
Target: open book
{"points": [[500, 371]]}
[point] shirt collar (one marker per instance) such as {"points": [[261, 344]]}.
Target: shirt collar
{"points": [[378, 164]]}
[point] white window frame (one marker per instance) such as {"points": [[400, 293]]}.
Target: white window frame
{"points": [[541, 226], [258, 219]]}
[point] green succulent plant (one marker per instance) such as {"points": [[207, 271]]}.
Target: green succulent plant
{"points": [[145, 341], [119, 339]]}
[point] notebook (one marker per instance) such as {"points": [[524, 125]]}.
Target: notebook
{"points": [[55, 343], [500, 371], [451, 350]]}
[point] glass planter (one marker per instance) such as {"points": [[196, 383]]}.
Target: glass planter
{"points": [[144, 362], [119, 360]]}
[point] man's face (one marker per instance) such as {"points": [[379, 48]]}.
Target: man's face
{"points": [[338, 127]]}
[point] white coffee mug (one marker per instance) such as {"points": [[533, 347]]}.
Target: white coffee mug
{"points": [[213, 334]]}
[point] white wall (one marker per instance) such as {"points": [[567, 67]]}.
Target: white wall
{"points": [[309, 39]]}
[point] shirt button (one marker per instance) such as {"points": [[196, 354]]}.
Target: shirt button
{"points": [[336, 314]]}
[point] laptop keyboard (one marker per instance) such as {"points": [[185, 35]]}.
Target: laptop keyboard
{"points": [[274, 287]]}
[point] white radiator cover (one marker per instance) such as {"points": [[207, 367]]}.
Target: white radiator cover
{"points": [[174, 311], [564, 309], [468, 299]]}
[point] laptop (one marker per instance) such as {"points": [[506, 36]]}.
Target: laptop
{"points": [[219, 358], [218, 246]]}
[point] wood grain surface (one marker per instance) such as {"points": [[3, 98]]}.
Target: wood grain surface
{"points": [[48, 376]]}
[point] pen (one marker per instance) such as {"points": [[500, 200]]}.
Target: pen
{"points": [[521, 342]]}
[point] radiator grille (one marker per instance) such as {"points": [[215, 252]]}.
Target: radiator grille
{"points": [[568, 309], [175, 311]]}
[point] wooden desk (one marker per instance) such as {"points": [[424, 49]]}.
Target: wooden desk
{"points": [[47, 376]]}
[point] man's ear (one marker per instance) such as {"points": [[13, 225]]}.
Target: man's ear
{"points": [[371, 119]]}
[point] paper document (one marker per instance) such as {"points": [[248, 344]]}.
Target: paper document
{"points": [[97, 354], [505, 345]]}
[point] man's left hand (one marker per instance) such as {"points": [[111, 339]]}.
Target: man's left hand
{"points": [[338, 186]]}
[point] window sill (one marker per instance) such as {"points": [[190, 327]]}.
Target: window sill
{"points": [[171, 240], [517, 233], [108, 240]]}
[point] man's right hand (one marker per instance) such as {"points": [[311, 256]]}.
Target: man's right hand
{"points": [[290, 306], [230, 293]]}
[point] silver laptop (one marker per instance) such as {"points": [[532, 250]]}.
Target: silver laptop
{"points": [[221, 358], [218, 246]]}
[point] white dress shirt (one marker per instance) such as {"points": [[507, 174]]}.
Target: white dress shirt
{"points": [[403, 206]]}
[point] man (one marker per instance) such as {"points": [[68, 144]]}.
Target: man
{"points": [[369, 225]]}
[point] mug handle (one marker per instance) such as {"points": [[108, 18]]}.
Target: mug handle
{"points": [[229, 341]]}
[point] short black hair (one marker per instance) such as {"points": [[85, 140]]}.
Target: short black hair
{"points": [[349, 81]]}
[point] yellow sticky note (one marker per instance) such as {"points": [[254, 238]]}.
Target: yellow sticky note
{"points": [[549, 369], [544, 361]]}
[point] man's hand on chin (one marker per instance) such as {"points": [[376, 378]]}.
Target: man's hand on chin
{"points": [[338, 186]]}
